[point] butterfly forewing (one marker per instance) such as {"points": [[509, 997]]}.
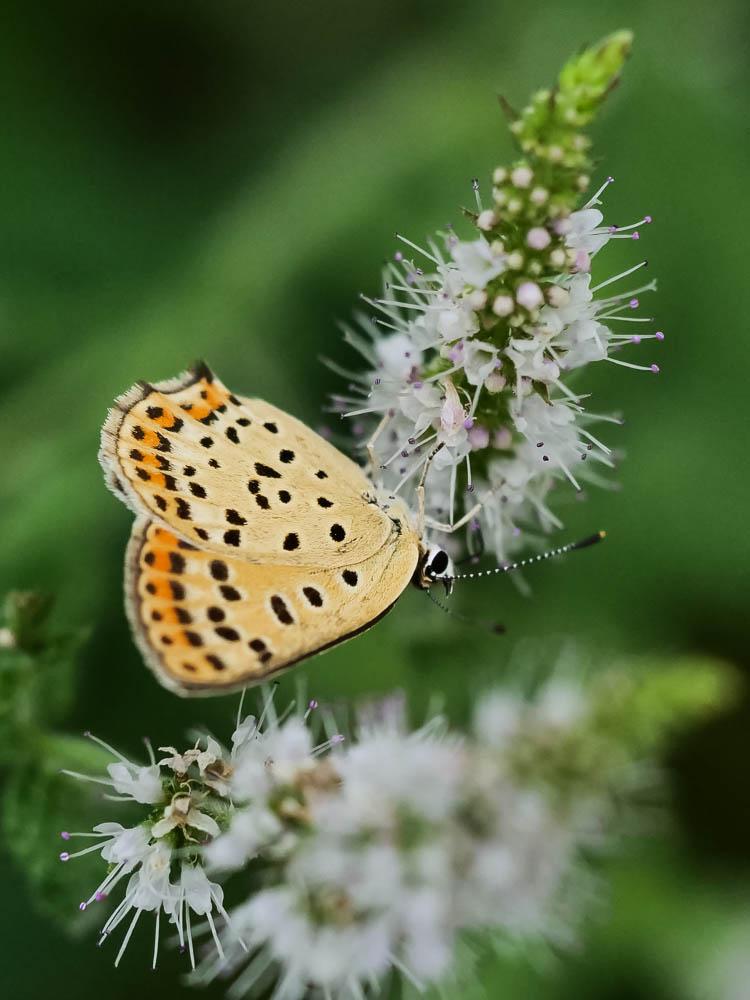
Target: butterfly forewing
{"points": [[238, 476], [210, 623]]}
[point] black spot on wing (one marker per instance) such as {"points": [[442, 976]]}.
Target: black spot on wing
{"points": [[230, 593], [313, 596], [350, 578], [234, 517], [218, 569], [266, 471], [271, 426], [280, 609], [291, 542], [183, 509], [176, 562], [197, 490], [337, 533], [285, 496], [232, 537]]}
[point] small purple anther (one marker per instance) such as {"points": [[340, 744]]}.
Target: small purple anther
{"points": [[87, 732], [647, 218], [377, 381], [635, 339], [636, 235], [64, 856], [659, 335], [610, 180], [100, 897], [417, 385], [634, 303], [655, 369], [470, 488], [398, 256], [613, 229], [65, 835], [312, 704], [82, 906], [468, 423], [337, 738]]}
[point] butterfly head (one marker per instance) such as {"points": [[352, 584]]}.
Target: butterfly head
{"points": [[434, 564]]}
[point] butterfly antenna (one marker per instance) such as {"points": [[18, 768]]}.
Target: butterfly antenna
{"points": [[584, 543], [495, 627]]}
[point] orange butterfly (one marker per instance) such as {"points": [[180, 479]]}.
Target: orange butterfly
{"points": [[256, 543]]}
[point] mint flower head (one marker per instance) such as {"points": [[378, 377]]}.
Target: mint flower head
{"points": [[352, 861], [473, 346], [185, 795]]}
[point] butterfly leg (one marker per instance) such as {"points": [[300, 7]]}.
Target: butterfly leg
{"points": [[370, 446], [421, 519], [449, 528]]}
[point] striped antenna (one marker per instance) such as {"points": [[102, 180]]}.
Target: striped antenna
{"points": [[508, 567]]}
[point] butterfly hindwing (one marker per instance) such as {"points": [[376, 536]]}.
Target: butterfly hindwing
{"points": [[238, 476], [208, 623]]}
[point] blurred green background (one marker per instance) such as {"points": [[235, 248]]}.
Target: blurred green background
{"points": [[183, 180]]}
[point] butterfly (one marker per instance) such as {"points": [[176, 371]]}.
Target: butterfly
{"points": [[257, 543]]}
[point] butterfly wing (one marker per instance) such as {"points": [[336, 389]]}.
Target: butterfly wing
{"points": [[238, 476], [207, 623]]}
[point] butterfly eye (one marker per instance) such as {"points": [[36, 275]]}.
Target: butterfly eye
{"points": [[439, 563]]}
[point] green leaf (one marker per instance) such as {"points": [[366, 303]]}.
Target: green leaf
{"points": [[656, 698], [37, 670], [38, 803]]}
